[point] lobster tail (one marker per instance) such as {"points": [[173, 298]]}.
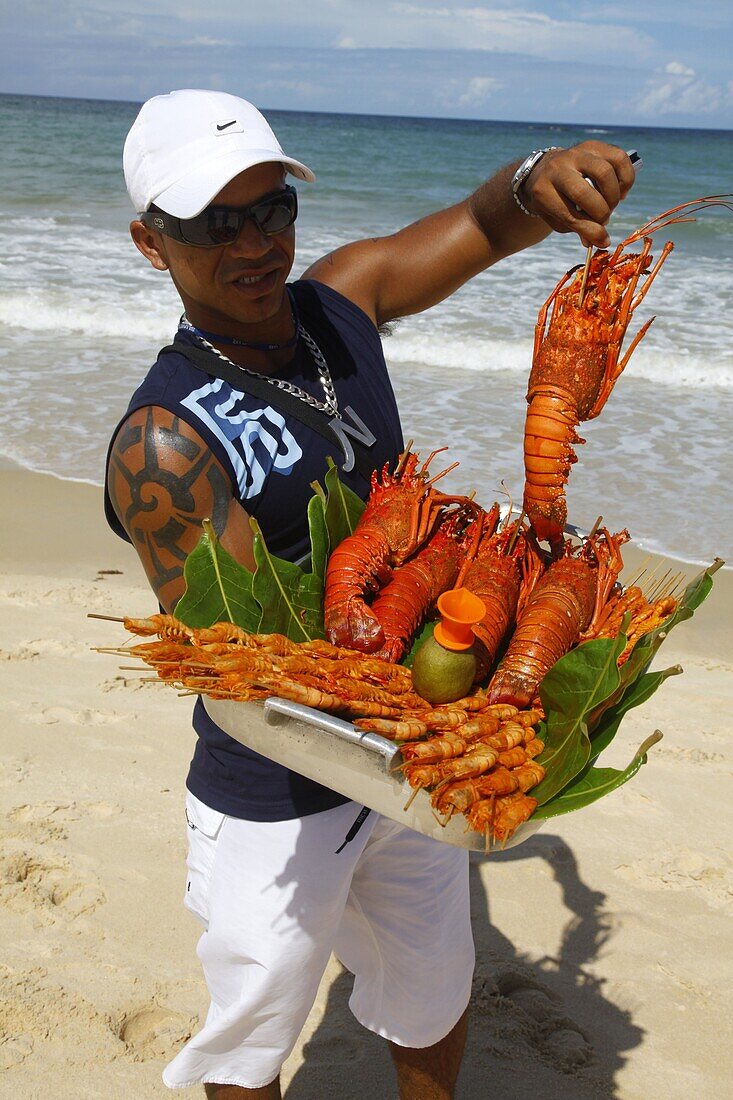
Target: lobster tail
{"points": [[559, 609], [549, 435], [415, 586], [352, 568]]}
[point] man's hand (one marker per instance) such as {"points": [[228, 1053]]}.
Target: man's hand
{"points": [[559, 192]]}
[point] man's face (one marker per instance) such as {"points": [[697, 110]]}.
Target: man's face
{"points": [[243, 281]]}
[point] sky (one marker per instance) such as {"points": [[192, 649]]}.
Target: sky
{"points": [[648, 62]]}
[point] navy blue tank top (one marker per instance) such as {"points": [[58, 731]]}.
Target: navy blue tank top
{"points": [[271, 459]]}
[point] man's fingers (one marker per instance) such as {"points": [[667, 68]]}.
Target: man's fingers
{"points": [[624, 169], [562, 213], [587, 199]]}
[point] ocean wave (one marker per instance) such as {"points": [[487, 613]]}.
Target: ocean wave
{"points": [[687, 371], [68, 317]]}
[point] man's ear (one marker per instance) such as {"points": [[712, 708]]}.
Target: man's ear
{"points": [[149, 242]]}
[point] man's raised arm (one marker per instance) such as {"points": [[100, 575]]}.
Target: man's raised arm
{"points": [[412, 269]]}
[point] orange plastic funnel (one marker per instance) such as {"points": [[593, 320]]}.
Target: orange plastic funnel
{"points": [[459, 610]]}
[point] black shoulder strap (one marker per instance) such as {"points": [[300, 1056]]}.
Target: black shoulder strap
{"points": [[318, 421]]}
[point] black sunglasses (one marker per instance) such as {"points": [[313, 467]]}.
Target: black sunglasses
{"points": [[218, 225]]}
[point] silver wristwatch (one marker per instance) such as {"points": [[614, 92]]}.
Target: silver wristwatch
{"points": [[522, 175]]}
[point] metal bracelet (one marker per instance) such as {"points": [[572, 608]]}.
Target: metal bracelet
{"points": [[524, 171]]}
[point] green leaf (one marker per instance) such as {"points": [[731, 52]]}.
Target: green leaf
{"points": [[574, 686], [291, 600], [318, 536], [638, 693], [343, 507], [218, 589], [584, 709], [594, 783]]}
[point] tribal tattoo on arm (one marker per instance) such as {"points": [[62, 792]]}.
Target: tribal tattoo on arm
{"points": [[163, 481]]}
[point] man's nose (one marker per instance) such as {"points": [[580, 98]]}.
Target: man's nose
{"points": [[250, 241]]}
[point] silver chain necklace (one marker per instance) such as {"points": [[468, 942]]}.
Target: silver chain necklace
{"points": [[330, 405], [343, 430]]}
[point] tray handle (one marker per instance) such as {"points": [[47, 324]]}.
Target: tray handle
{"points": [[276, 709]]}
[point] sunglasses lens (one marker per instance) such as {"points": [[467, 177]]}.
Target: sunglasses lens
{"points": [[219, 225], [276, 214], [212, 227]]}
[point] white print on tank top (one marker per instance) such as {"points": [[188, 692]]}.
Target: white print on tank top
{"points": [[256, 440]]}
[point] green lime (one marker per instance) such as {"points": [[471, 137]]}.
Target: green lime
{"points": [[442, 675]]}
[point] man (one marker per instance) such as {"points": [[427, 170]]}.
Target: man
{"points": [[265, 379]]}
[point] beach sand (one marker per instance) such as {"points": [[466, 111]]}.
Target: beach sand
{"points": [[601, 941]]}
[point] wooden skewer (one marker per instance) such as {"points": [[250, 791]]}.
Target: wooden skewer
{"points": [[108, 618], [589, 256], [595, 527], [403, 458], [636, 577], [657, 586], [584, 280], [412, 798]]}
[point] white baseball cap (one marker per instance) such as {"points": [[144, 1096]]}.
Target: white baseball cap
{"points": [[185, 146]]}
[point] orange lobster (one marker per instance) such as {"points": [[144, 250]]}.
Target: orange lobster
{"points": [[502, 575], [576, 361], [415, 586], [401, 514], [565, 604]]}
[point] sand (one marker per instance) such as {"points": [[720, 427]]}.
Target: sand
{"points": [[602, 941]]}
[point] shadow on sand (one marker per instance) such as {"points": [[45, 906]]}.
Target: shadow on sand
{"points": [[540, 1028]]}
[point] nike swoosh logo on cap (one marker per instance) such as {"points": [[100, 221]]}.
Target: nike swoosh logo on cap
{"points": [[226, 125]]}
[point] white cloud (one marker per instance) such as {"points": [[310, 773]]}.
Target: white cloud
{"points": [[680, 92], [467, 95], [676, 68], [204, 41], [478, 91], [346, 43], [512, 30]]}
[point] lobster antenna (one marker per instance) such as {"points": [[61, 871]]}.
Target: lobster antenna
{"points": [[584, 280], [692, 207], [429, 484], [515, 532]]}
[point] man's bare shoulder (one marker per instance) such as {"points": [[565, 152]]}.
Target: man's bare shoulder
{"points": [[350, 270]]}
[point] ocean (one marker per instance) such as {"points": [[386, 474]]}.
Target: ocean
{"points": [[82, 316]]}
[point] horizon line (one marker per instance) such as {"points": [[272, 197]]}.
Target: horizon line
{"points": [[382, 114]]}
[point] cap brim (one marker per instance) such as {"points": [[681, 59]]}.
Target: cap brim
{"points": [[189, 196]]}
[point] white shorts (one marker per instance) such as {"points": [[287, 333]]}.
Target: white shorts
{"points": [[276, 899]]}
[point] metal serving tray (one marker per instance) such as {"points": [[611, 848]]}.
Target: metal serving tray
{"points": [[344, 758]]}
